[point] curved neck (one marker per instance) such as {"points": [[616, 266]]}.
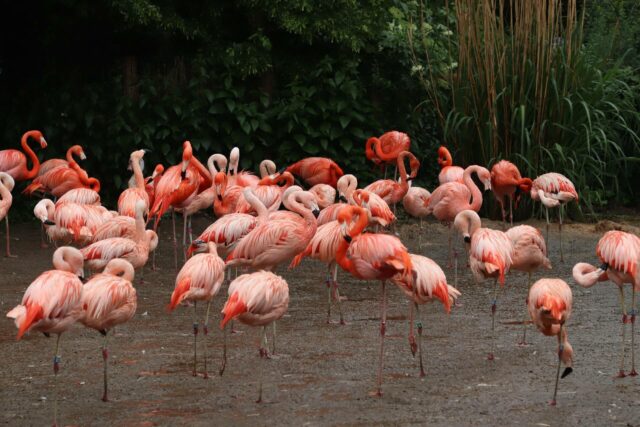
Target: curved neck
{"points": [[137, 173], [5, 194], [476, 194], [297, 206], [121, 268], [402, 169], [352, 185], [256, 204], [202, 171], [341, 254], [140, 224], [220, 161], [31, 173], [69, 155], [370, 147], [267, 167], [59, 261]]}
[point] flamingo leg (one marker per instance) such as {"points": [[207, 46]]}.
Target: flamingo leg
{"points": [[546, 211], [175, 241], [385, 171], [274, 338], [633, 372], [328, 284], [184, 236], [383, 328], [621, 373], [337, 292], [526, 315], [56, 368], [195, 336], [263, 354], [419, 325], [560, 350], [504, 213], [560, 232], [450, 245], [190, 231], [6, 220], [43, 244], [511, 211], [224, 351], [412, 339], [205, 330], [105, 357], [494, 306]]}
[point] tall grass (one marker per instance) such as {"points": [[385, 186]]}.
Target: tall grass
{"points": [[524, 88]]}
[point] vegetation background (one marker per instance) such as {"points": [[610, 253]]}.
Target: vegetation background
{"points": [[286, 79]]}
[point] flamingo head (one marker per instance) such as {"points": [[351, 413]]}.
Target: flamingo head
{"points": [[37, 135], [196, 247], [187, 155], [158, 170], [220, 183], [444, 157], [7, 181]]}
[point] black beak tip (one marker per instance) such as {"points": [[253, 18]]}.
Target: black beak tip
{"points": [[467, 239], [347, 238], [604, 266], [316, 213], [566, 372], [183, 175], [342, 199], [281, 170], [219, 197], [48, 222]]}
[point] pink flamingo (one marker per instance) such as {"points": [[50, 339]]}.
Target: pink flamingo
{"points": [[317, 170], [620, 254], [227, 196], [67, 222], [489, 256], [377, 209], [269, 191], [507, 181], [553, 189], [372, 256], [129, 197], [109, 299], [347, 184], [387, 148], [448, 173], [529, 254], [241, 178], [256, 299], [51, 304], [6, 186], [118, 226], [451, 198], [50, 164], [427, 284], [136, 250], [415, 204], [151, 182], [550, 307], [325, 194], [81, 196], [391, 191], [14, 162], [199, 279]]}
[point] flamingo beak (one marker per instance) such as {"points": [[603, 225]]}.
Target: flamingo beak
{"points": [[83, 156], [604, 266], [43, 142], [467, 239], [48, 222], [566, 372], [342, 198], [347, 238], [316, 212]]}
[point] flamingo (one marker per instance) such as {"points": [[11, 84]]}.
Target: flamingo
{"points": [[109, 299], [552, 190], [51, 304], [347, 184], [257, 299], [428, 283], [507, 181], [6, 186], [620, 254], [317, 170], [391, 191], [66, 222], [377, 209], [372, 256], [448, 173], [81, 196], [118, 226], [269, 192], [529, 254], [129, 197], [14, 162], [549, 305], [387, 148], [151, 182], [136, 250], [325, 194], [199, 279], [50, 164], [242, 178], [489, 256], [451, 198]]}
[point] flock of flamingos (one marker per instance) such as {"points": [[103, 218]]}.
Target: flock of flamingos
{"points": [[333, 221]]}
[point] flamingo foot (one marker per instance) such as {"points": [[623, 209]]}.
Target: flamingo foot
{"points": [[490, 356], [524, 344], [621, 374], [633, 373], [206, 376], [377, 393], [11, 256], [413, 344], [422, 373], [105, 398], [552, 402]]}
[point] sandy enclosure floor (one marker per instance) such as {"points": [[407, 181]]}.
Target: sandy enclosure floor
{"points": [[325, 372]]}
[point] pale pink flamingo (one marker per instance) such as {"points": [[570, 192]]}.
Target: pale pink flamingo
{"points": [[241, 178], [451, 198], [256, 299], [129, 197], [387, 148], [66, 222], [347, 184], [118, 226], [372, 256], [51, 304], [317, 170], [426, 284], [108, 300], [390, 190], [199, 279], [529, 254], [415, 204], [489, 256], [14, 162], [549, 305], [269, 191], [135, 250], [620, 255], [448, 172], [81, 196], [507, 181], [553, 189], [6, 186], [377, 209], [325, 194]]}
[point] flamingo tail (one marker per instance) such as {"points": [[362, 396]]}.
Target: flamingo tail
{"points": [[34, 313], [232, 308], [176, 297]]}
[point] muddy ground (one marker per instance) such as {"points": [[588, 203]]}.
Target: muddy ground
{"points": [[325, 372]]}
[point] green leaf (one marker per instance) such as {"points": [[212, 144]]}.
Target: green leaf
{"points": [[231, 104], [344, 121]]}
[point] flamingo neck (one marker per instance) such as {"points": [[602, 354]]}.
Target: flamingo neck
{"points": [[257, 205], [137, 173], [140, 225], [370, 146], [476, 194], [31, 173], [59, 262], [121, 268], [448, 160], [352, 185], [267, 167], [341, 254], [403, 171], [202, 171]]}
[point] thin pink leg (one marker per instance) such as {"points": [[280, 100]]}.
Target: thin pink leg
{"points": [[383, 328], [6, 220]]}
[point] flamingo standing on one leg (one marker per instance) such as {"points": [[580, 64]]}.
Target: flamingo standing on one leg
{"points": [[199, 279], [529, 254], [129, 197], [109, 299], [507, 181], [6, 186], [550, 307], [620, 254], [257, 299], [372, 256], [489, 257], [553, 189], [51, 304], [14, 162], [448, 172], [415, 203], [317, 170]]}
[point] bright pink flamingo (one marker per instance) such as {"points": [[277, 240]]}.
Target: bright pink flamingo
{"points": [[325, 194], [377, 209], [387, 148], [256, 299], [14, 162], [529, 254], [50, 164], [317, 170], [347, 184], [507, 181], [553, 189], [199, 280], [549, 304], [66, 222], [372, 256], [6, 186], [390, 190], [51, 304], [489, 256], [129, 197], [448, 172], [415, 202], [427, 283], [620, 254], [108, 300], [451, 198], [151, 182], [227, 196]]}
